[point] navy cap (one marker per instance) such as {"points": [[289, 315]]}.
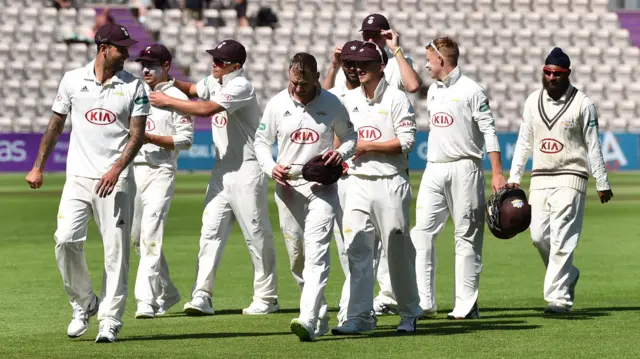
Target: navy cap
{"points": [[375, 22]]}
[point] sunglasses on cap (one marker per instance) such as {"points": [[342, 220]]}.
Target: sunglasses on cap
{"points": [[433, 46], [349, 63], [220, 62], [557, 72]]}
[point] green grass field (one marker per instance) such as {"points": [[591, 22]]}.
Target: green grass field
{"points": [[605, 323]]}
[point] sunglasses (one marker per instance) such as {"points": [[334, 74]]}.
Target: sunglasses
{"points": [[559, 72], [433, 46], [349, 64], [220, 62]]}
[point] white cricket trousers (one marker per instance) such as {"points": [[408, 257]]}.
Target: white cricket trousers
{"points": [[155, 189], [379, 205], [556, 224], [241, 197], [456, 189], [306, 218], [113, 216]]}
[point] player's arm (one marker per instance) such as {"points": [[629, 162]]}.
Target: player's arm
{"points": [[188, 88], [591, 135], [347, 136], [265, 138], [192, 108], [181, 141], [330, 79], [483, 116], [404, 124], [522, 150], [410, 78]]}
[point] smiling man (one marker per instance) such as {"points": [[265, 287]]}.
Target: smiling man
{"points": [[167, 133], [237, 189], [560, 126]]}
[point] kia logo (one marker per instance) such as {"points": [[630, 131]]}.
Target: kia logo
{"points": [[549, 145], [369, 133], [100, 116], [304, 136], [150, 124], [219, 121], [441, 119]]}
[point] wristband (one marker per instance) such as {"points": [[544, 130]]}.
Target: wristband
{"points": [[397, 50]]}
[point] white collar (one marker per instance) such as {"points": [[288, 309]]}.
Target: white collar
{"points": [[562, 98], [230, 76], [90, 74], [451, 78], [377, 93], [163, 86]]}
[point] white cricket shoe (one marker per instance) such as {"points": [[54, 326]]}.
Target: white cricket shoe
{"points": [[80, 322], [429, 313], [107, 333], [554, 308], [384, 309], [200, 305], [303, 330], [145, 311], [407, 325], [322, 327], [166, 304], [261, 308], [350, 328]]}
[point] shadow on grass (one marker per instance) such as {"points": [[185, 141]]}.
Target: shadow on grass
{"points": [[444, 328], [538, 312], [196, 336], [224, 312]]}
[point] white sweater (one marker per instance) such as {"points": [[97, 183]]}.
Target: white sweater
{"points": [[166, 122], [302, 131], [563, 134], [460, 120], [389, 115]]}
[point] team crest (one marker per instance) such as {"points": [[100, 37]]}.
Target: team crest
{"points": [[568, 124], [517, 203], [370, 20], [126, 33]]}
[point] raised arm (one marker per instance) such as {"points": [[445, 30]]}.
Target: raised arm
{"points": [[411, 81], [330, 80], [187, 88]]}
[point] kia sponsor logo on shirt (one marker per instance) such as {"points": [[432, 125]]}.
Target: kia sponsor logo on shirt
{"points": [[550, 145], [100, 116], [369, 133], [304, 136], [219, 121], [441, 119]]}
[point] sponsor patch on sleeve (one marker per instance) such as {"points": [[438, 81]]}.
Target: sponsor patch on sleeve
{"points": [[593, 122], [262, 126], [484, 107], [143, 100]]}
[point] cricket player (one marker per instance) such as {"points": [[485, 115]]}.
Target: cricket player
{"points": [[238, 188], [303, 119], [560, 126], [168, 132], [379, 194], [461, 122], [109, 109], [399, 72]]}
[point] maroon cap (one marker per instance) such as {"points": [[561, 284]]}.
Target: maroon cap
{"points": [[114, 34], [375, 22], [229, 50], [155, 53], [350, 48], [368, 51]]}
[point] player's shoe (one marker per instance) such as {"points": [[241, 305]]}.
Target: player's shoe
{"points": [[407, 325], [322, 327], [303, 330], [80, 322], [473, 314], [200, 305], [107, 333], [165, 305], [553, 308], [384, 309], [351, 328], [145, 311], [261, 308], [429, 313]]}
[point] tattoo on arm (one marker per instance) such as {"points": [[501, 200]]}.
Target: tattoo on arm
{"points": [[50, 138], [136, 139]]}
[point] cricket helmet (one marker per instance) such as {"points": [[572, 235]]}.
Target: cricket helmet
{"points": [[508, 213]]}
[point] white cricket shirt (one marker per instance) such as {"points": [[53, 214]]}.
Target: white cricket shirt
{"points": [[303, 131], [387, 116], [100, 117], [391, 74], [460, 120], [234, 129], [166, 122]]}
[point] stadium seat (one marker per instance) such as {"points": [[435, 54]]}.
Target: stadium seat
{"points": [[6, 124]]}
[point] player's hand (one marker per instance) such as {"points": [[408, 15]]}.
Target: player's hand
{"points": [[281, 174], [605, 195], [361, 148], [332, 158], [392, 38], [159, 99], [34, 178], [335, 59], [107, 183], [513, 185], [345, 168], [498, 182]]}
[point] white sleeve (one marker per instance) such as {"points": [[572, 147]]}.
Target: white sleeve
{"points": [[404, 122], [589, 117], [523, 148], [62, 102], [343, 128], [234, 96], [183, 139], [482, 114], [141, 106], [265, 137], [202, 87]]}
